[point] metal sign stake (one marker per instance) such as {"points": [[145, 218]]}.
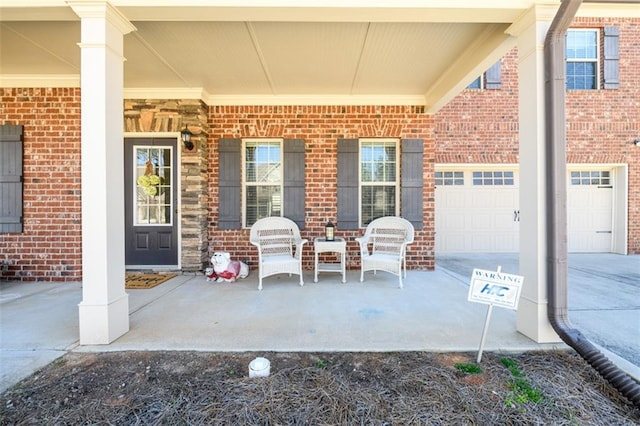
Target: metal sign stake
{"points": [[486, 327]]}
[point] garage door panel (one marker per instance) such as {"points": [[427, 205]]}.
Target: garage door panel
{"points": [[456, 199], [455, 221], [477, 218], [482, 199], [578, 198], [590, 214], [577, 220], [481, 221], [601, 220], [504, 221]]}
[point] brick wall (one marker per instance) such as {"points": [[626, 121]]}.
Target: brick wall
{"points": [[481, 126], [50, 248], [321, 127]]}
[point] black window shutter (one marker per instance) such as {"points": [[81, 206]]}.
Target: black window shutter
{"points": [[493, 76], [611, 58], [293, 174], [11, 178], [229, 184], [412, 181], [348, 217]]}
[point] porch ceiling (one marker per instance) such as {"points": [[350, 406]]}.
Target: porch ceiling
{"points": [[314, 52]]}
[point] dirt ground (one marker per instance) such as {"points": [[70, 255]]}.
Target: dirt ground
{"points": [[402, 388]]}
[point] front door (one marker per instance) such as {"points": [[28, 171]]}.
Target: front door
{"points": [[151, 225]]}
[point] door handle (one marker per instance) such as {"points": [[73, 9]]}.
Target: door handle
{"points": [[516, 215]]}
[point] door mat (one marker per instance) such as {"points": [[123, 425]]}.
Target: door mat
{"points": [[142, 281]]}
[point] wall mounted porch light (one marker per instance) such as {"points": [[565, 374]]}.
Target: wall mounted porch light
{"points": [[186, 138]]}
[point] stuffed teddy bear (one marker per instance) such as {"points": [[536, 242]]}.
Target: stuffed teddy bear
{"points": [[225, 269]]}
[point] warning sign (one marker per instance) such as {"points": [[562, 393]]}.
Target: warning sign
{"points": [[495, 287]]}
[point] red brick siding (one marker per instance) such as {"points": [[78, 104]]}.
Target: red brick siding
{"points": [[50, 248], [321, 127], [481, 126]]}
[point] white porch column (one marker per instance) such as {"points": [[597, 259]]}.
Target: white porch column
{"points": [[104, 310], [532, 309]]}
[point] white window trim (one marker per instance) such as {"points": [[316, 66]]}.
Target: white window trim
{"points": [[396, 184], [243, 172], [596, 60]]}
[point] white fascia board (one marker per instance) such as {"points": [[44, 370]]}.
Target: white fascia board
{"points": [[286, 10], [166, 93], [315, 100], [609, 10], [40, 80]]}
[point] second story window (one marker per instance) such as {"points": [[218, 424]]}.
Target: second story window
{"points": [[490, 79], [582, 56], [262, 179]]}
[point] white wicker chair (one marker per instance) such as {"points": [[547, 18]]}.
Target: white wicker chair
{"points": [[279, 247], [388, 238]]}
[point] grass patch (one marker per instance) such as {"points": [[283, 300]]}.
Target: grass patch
{"points": [[468, 368], [522, 392], [321, 363]]}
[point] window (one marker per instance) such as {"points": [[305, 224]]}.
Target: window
{"points": [[476, 84], [409, 184], [262, 179], [449, 178], [590, 177], [490, 79], [152, 186], [232, 184], [378, 179], [492, 178], [582, 59]]}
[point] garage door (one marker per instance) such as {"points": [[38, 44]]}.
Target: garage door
{"points": [[477, 210], [589, 211]]}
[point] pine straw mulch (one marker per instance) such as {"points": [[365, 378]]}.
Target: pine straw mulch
{"points": [[402, 388]]}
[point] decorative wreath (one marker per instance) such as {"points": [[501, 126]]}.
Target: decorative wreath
{"points": [[150, 181]]}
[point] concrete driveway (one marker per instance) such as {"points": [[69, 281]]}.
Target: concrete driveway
{"points": [[603, 294]]}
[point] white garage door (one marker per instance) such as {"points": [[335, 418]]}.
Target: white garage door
{"points": [[589, 211], [477, 210]]}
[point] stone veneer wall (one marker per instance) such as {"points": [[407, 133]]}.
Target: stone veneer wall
{"points": [[161, 115]]}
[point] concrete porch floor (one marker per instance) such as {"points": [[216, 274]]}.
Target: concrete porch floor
{"points": [[39, 321]]}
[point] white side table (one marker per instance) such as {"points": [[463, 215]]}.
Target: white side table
{"points": [[339, 245]]}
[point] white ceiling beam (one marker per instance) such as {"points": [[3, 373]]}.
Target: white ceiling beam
{"points": [[471, 63]]}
